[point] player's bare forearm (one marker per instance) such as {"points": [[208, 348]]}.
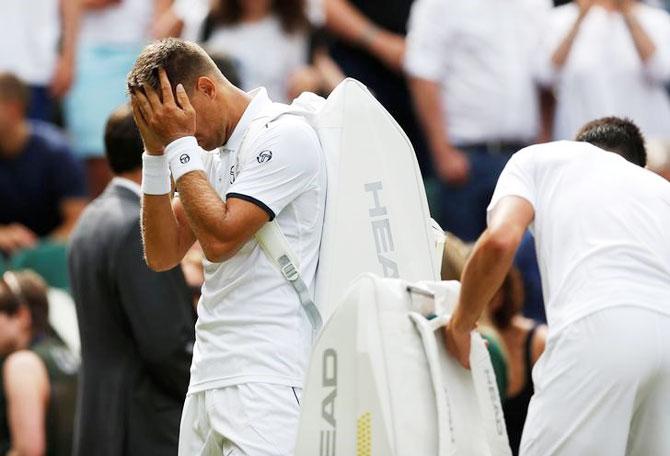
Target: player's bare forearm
{"points": [[166, 238], [490, 261], [222, 228]]}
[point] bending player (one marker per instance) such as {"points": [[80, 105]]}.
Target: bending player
{"points": [[601, 227], [252, 336]]}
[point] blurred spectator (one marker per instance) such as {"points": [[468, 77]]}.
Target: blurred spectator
{"points": [[523, 342], [369, 45], [41, 182], [470, 68], [267, 39], [113, 32], [136, 325], [38, 382], [605, 58], [37, 43], [658, 157]]}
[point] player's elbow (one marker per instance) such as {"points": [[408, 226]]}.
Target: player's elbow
{"points": [[503, 240], [158, 264], [218, 251]]}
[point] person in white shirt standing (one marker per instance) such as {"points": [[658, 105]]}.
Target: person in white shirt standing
{"points": [[601, 228], [252, 336], [470, 68], [607, 58]]}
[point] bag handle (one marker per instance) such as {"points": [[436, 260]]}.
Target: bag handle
{"points": [[445, 427], [486, 389]]}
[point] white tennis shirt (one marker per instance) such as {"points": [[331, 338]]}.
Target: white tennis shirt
{"points": [[602, 228], [251, 326]]}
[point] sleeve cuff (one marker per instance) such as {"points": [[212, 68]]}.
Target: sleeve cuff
{"points": [[253, 200]]}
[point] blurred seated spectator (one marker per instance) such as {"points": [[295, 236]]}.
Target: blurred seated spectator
{"points": [[267, 39], [658, 157], [523, 342], [137, 326], [470, 70], [48, 259], [607, 58], [41, 182], [112, 34], [39, 374], [37, 43]]}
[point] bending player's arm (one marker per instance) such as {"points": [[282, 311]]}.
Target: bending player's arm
{"points": [[485, 271]]}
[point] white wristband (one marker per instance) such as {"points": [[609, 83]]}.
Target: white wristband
{"points": [[155, 175], [184, 156]]}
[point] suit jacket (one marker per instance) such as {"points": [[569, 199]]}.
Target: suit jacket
{"points": [[137, 333]]}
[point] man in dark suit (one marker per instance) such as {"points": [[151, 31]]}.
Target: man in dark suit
{"points": [[136, 325]]}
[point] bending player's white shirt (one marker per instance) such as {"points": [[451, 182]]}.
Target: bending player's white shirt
{"points": [[593, 210], [251, 326], [603, 245]]}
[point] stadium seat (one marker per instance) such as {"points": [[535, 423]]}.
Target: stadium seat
{"points": [[48, 259]]}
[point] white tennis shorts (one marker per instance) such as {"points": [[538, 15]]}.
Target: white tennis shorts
{"points": [[602, 388], [252, 419]]}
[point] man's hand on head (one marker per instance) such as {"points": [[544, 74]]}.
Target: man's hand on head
{"points": [[162, 121]]}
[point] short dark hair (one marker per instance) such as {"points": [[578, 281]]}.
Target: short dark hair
{"points": [[183, 61], [123, 143], [25, 288], [14, 89], [616, 135]]}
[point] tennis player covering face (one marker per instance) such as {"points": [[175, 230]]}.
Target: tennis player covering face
{"points": [[602, 230], [252, 336]]}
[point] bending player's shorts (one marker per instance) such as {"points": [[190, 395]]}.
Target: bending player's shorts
{"points": [[251, 419], [602, 388]]}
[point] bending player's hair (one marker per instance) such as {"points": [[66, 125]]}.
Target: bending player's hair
{"points": [[14, 89], [617, 135], [183, 61]]}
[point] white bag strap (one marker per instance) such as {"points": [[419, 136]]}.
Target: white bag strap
{"points": [[486, 388], [275, 245], [488, 397], [270, 237], [445, 418]]}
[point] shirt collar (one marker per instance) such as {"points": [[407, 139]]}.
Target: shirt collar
{"points": [[259, 102], [128, 184]]}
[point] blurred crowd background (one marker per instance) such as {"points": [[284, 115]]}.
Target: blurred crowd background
{"points": [[469, 81]]}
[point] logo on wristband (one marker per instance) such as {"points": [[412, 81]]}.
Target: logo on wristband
{"points": [[264, 156], [184, 158]]}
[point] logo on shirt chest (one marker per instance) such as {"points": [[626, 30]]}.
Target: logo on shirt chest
{"points": [[264, 157]]}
